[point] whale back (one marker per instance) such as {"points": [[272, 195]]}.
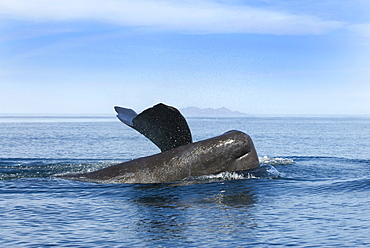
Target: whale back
{"points": [[163, 125]]}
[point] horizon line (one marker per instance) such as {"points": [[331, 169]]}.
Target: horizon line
{"points": [[106, 115]]}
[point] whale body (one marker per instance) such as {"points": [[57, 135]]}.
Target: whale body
{"points": [[232, 151], [180, 158]]}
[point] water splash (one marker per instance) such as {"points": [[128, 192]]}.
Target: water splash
{"points": [[263, 171], [275, 161]]}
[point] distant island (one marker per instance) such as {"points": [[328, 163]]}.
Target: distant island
{"points": [[210, 112]]}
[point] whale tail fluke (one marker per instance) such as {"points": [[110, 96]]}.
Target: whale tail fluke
{"points": [[125, 115], [163, 125]]}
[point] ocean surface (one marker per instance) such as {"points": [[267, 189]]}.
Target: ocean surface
{"points": [[318, 196]]}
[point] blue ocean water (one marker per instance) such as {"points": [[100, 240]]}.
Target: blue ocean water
{"points": [[321, 197]]}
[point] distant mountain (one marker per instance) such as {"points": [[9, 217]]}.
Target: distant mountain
{"points": [[210, 112]]}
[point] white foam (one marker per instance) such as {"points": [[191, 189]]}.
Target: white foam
{"points": [[275, 161], [225, 176]]}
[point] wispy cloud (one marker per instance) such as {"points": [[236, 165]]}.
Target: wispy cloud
{"points": [[203, 16], [362, 29]]}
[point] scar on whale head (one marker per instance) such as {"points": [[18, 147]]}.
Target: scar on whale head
{"points": [[180, 157]]}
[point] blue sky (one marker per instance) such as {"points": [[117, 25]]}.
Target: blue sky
{"points": [[281, 57]]}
